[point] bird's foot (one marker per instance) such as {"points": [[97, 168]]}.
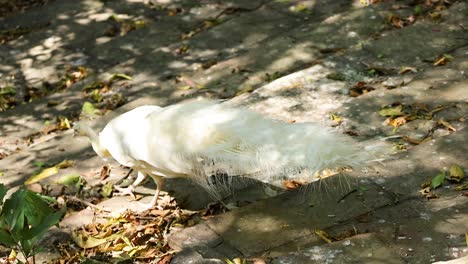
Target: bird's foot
{"points": [[145, 206], [125, 191]]}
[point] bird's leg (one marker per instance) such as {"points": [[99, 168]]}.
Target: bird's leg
{"points": [[159, 182], [130, 189]]}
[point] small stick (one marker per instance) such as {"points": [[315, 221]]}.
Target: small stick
{"points": [[75, 199], [346, 195]]}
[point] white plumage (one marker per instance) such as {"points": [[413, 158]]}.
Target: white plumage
{"points": [[201, 138]]}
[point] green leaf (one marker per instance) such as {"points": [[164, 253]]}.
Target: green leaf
{"points": [[96, 96], [363, 188], [438, 180], [3, 191], [36, 209], [392, 111], [89, 109], [6, 239], [69, 179], [7, 90], [106, 190], [39, 164], [49, 221], [27, 246], [418, 9], [13, 212]]}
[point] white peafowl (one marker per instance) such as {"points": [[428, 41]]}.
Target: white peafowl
{"points": [[201, 138]]}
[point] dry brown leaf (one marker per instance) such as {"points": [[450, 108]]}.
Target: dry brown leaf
{"points": [[360, 88], [105, 172], [292, 184], [396, 22], [347, 233], [396, 122], [166, 259]]}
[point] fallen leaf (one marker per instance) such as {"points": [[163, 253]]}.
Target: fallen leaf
{"points": [[396, 122], [392, 111], [95, 85], [45, 173], [69, 179], [63, 123], [360, 88], [89, 109], [336, 118], [166, 259], [96, 96], [184, 87], [292, 184], [39, 164], [447, 125], [105, 172], [395, 21], [245, 89], [438, 180], [456, 173], [120, 76], [85, 241], [42, 175], [106, 190], [183, 49], [425, 184], [323, 235], [65, 164], [425, 191], [442, 60], [462, 187], [404, 70]]}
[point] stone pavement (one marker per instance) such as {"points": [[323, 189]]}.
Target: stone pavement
{"points": [[288, 58]]}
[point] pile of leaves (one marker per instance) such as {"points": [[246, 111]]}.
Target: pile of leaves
{"points": [[128, 236]]}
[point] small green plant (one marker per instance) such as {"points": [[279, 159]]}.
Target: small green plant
{"points": [[24, 219]]}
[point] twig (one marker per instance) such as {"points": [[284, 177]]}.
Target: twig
{"points": [[75, 199], [346, 195]]}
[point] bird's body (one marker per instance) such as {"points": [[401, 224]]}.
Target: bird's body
{"points": [[200, 138]]}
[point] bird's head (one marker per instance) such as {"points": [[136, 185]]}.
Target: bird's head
{"points": [[84, 130]]}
